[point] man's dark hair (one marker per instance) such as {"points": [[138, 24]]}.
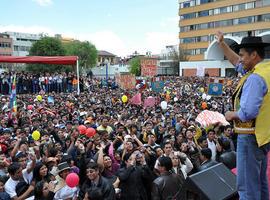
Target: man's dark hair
{"points": [[166, 162], [19, 156], [227, 126], [201, 139], [260, 51], [92, 165], [206, 152], [13, 168]]}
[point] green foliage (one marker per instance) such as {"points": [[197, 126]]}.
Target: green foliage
{"points": [[135, 66], [47, 46], [86, 52]]}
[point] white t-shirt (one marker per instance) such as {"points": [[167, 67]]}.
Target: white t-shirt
{"points": [[27, 177], [10, 187], [212, 146]]}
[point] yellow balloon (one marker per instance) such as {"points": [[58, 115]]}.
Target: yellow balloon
{"points": [[201, 89], [124, 98], [39, 97], [36, 135]]}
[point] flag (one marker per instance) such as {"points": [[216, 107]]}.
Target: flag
{"points": [[207, 118], [13, 102], [136, 99], [157, 86], [215, 89], [149, 102]]}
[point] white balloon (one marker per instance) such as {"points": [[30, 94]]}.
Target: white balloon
{"points": [[175, 99], [163, 105], [204, 96], [208, 97]]}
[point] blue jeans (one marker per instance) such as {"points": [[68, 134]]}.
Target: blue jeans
{"points": [[251, 168]]}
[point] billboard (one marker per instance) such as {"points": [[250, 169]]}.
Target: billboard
{"points": [[148, 67]]}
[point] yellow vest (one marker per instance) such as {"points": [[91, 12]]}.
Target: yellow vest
{"points": [[262, 130], [260, 125]]}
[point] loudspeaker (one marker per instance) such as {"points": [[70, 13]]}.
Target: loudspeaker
{"points": [[215, 183]]}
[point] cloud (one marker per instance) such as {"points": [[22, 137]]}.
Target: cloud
{"points": [[157, 41], [43, 2], [108, 40]]}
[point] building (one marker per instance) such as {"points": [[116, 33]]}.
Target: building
{"points": [[5, 45], [22, 42], [5, 48], [105, 55], [169, 60], [201, 19]]}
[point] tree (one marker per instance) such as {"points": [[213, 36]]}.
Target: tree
{"points": [[177, 57], [47, 46], [135, 66], [86, 52]]}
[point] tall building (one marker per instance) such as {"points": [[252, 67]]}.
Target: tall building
{"points": [[200, 19], [5, 45], [22, 42]]}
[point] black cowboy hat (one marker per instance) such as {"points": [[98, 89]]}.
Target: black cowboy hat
{"points": [[252, 41]]}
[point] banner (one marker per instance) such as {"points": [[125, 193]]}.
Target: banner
{"points": [[148, 67], [126, 81], [157, 86], [149, 102], [215, 89], [136, 99], [207, 118]]}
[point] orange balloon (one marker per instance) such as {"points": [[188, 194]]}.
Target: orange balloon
{"points": [[204, 105]]}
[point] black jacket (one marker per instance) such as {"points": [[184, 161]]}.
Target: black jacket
{"points": [[132, 181], [168, 186], [105, 186], [207, 164], [228, 158]]}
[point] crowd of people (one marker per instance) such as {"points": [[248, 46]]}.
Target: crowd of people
{"points": [[136, 153], [28, 83]]}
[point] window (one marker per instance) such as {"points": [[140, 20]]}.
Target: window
{"points": [[250, 5], [266, 18], [223, 10], [203, 13]]}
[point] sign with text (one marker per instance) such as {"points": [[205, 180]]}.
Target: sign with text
{"points": [[126, 81], [148, 67]]}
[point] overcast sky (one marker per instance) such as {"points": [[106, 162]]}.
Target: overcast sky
{"points": [[118, 26]]}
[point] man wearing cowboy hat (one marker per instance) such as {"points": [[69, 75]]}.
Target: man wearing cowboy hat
{"points": [[251, 113], [62, 191]]}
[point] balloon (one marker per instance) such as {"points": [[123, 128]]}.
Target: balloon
{"points": [[202, 89], [29, 107], [208, 97], [124, 98], [163, 105], [175, 99], [90, 132], [39, 97], [36, 135], [82, 129], [72, 180], [204, 105], [204, 96]]}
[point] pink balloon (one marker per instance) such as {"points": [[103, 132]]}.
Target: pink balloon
{"points": [[72, 180], [90, 132], [29, 107], [82, 129]]}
